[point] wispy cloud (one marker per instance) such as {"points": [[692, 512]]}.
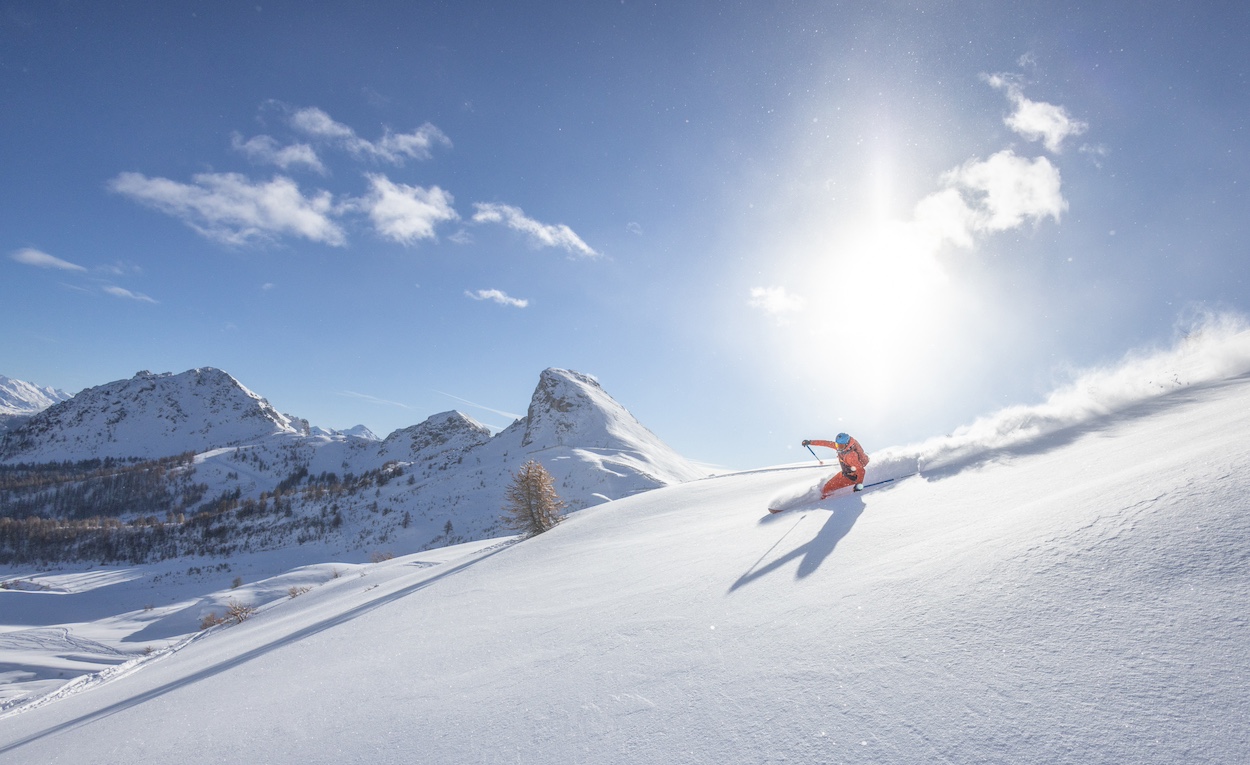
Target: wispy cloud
{"points": [[265, 150], [776, 302], [539, 234], [126, 294], [500, 412], [1036, 120], [498, 296], [372, 399], [119, 268], [391, 147], [406, 214], [32, 257], [230, 208]]}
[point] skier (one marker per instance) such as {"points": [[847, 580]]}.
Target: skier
{"points": [[851, 457]]}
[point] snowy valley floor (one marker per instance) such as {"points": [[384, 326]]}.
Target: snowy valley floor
{"points": [[1078, 598]]}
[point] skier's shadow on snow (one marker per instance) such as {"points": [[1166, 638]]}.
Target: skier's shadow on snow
{"points": [[845, 513]]}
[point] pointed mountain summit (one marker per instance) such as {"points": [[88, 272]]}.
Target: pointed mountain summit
{"points": [[569, 408], [570, 411], [149, 415]]}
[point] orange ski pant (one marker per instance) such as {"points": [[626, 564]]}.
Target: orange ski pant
{"points": [[840, 481]]}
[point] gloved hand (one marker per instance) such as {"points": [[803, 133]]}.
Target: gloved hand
{"points": [[807, 442]]}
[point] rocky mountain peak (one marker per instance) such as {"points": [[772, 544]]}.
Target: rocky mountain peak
{"points": [[149, 415], [450, 434], [571, 408]]}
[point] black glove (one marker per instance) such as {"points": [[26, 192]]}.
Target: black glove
{"points": [[806, 442]]}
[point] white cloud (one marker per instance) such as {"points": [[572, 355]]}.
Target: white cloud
{"points": [[944, 216], [392, 147], [499, 297], [775, 301], [32, 257], [127, 294], [406, 214], [264, 149], [1008, 190], [982, 197], [539, 234], [230, 208], [1036, 120]]}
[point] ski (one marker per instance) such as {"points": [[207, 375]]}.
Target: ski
{"points": [[813, 495]]}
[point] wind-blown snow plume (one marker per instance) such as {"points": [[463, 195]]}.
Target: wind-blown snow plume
{"points": [[1214, 347]]}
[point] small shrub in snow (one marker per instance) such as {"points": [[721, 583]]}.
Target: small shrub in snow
{"points": [[212, 620], [380, 555], [295, 592], [239, 612]]}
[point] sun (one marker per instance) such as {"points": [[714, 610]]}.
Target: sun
{"points": [[880, 314]]}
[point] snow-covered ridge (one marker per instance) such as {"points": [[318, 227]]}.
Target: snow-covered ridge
{"points": [[20, 400], [256, 477], [147, 416]]}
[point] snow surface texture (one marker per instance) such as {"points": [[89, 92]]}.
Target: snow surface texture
{"points": [[1077, 595]]}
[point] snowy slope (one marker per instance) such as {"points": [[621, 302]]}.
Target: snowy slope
{"points": [[1077, 595]]}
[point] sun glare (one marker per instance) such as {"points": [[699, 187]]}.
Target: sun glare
{"points": [[881, 306]]}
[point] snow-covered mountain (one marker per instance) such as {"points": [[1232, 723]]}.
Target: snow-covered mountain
{"points": [[147, 416], [359, 431], [20, 400], [1053, 586], [235, 474]]}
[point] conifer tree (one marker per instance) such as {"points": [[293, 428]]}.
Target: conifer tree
{"points": [[532, 505]]}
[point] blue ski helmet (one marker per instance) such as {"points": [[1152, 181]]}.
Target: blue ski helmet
{"points": [[842, 439]]}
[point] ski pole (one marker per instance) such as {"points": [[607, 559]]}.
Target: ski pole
{"points": [[813, 451]]}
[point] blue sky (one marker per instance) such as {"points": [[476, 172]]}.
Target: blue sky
{"points": [[753, 222]]}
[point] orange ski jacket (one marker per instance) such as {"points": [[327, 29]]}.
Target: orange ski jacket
{"points": [[851, 456]]}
